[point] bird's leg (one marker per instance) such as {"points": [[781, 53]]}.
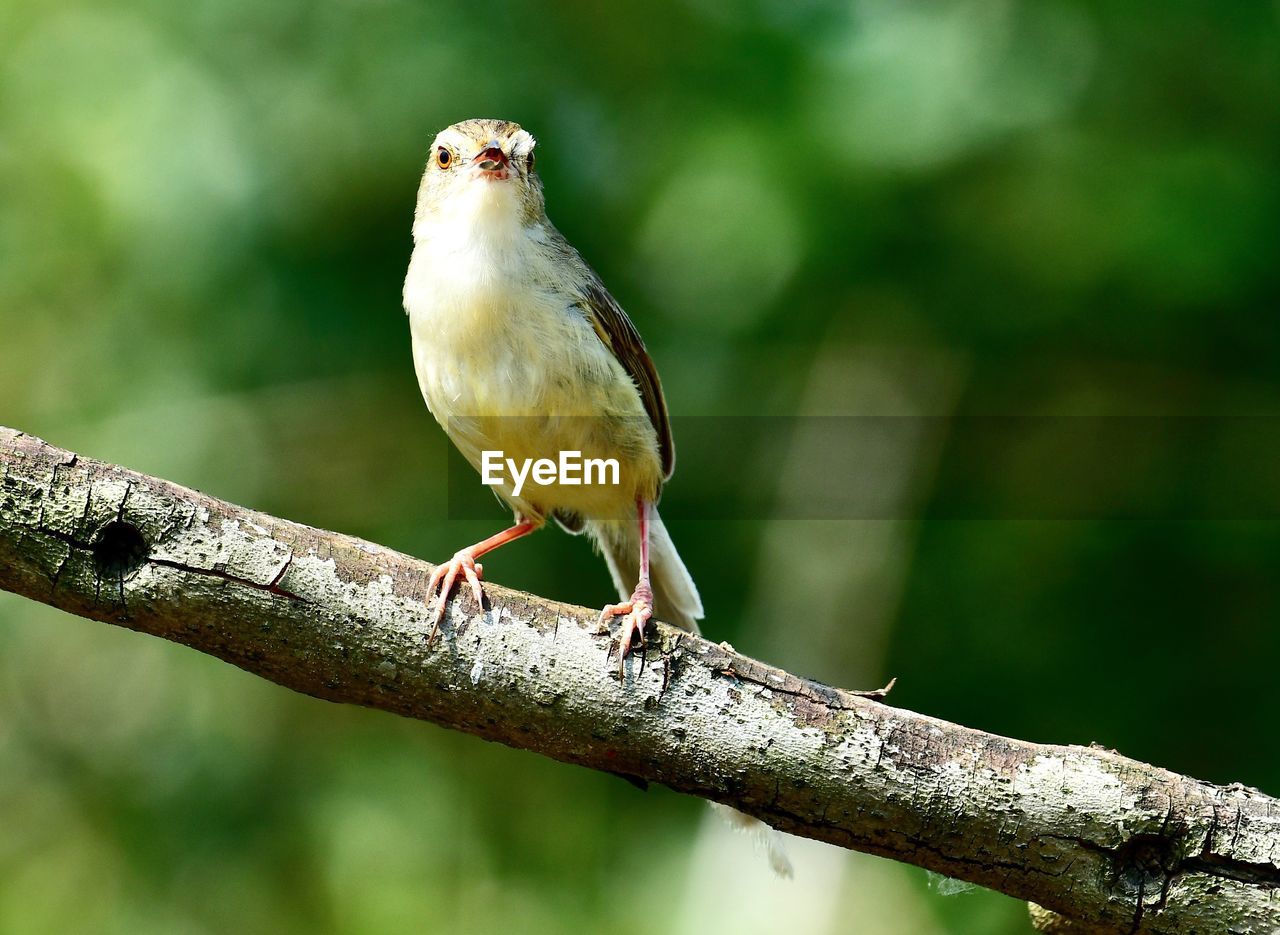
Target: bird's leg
{"points": [[464, 563], [639, 609]]}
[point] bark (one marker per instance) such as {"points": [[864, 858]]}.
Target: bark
{"points": [[1106, 843]]}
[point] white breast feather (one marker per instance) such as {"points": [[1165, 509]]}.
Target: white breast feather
{"points": [[493, 336]]}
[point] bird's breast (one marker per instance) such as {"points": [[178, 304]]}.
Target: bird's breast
{"points": [[486, 340], [506, 362]]}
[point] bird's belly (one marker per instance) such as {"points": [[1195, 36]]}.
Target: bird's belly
{"points": [[515, 371]]}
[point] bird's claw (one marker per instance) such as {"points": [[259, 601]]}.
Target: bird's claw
{"points": [[636, 613], [445, 577]]}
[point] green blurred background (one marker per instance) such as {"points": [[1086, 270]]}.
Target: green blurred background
{"points": [[952, 208]]}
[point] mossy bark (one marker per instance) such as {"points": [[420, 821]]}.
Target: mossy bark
{"points": [[1110, 843]]}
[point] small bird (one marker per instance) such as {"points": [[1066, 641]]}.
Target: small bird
{"points": [[520, 349]]}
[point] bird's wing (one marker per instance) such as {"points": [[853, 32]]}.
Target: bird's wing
{"points": [[620, 336]]}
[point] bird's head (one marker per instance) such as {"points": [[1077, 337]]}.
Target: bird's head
{"points": [[480, 170]]}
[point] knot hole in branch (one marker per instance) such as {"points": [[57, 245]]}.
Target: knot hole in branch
{"points": [[1145, 864], [119, 548]]}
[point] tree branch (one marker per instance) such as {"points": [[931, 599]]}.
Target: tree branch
{"points": [[1110, 844]]}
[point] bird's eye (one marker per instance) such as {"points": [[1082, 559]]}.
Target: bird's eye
{"points": [[444, 158], [529, 163]]}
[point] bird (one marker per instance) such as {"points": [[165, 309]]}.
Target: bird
{"points": [[519, 348], [521, 351]]}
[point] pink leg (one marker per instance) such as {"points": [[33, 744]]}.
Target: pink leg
{"points": [[639, 608], [464, 563]]}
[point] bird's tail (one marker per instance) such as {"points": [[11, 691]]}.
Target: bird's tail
{"points": [[675, 601], [675, 597]]}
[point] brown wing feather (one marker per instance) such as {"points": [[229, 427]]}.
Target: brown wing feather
{"points": [[620, 336]]}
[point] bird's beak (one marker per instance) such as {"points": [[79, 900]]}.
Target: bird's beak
{"points": [[492, 158]]}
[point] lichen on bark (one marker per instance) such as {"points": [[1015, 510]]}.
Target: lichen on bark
{"points": [[1106, 843]]}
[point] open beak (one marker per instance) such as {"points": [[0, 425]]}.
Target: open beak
{"points": [[492, 161]]}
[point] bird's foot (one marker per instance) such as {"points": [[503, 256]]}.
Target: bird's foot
{"points": [[446, 576], [635, 614]]}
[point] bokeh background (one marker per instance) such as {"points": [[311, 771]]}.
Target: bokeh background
{"points": [[941, 209]]}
